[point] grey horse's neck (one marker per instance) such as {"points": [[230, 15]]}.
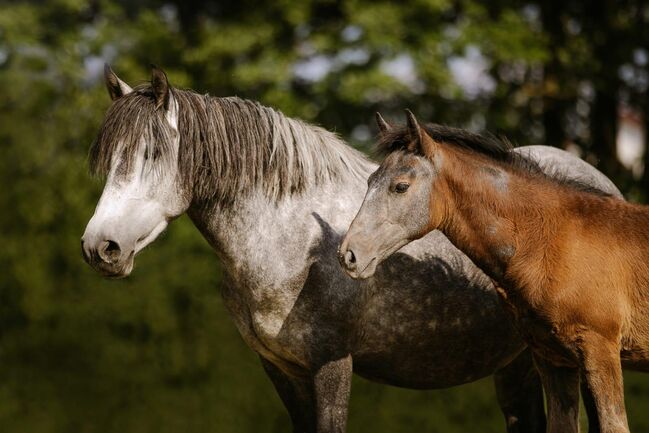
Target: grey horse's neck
{"points": [[267, 245], [325, 179]]}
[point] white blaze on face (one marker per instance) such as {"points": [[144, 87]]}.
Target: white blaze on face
{"points": [[128, 209], [136, 207]]}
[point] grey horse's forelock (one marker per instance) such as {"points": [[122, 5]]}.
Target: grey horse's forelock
{"points": [[228, 146], [128, 121]]}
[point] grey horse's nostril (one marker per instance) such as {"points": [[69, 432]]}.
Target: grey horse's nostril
{"points": [[112, 246], [109, 251]]}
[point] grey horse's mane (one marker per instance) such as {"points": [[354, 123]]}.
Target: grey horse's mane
{"points": [[228, 146]]}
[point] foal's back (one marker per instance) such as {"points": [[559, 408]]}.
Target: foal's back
{"points": [[609, 237]]}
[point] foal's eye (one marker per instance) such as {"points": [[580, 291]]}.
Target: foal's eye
{"points": [[402, 187]]}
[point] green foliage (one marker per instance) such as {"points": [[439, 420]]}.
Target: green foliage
{"points": [[157, 352]]}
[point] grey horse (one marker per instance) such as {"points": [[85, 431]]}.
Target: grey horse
{"points": [[273, 196]]}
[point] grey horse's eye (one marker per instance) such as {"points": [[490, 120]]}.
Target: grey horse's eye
{"points": [[156, 154], [402, 187]]}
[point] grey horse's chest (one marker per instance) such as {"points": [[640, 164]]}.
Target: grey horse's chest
{"points": [[260, 296], [262, 325], [285, 290]]}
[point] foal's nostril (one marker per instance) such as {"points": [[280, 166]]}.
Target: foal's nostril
{"points": [[109, 251], [350, 258]]}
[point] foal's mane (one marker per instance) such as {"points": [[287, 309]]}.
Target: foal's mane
{"points": [[228, 146], [494, 148]]}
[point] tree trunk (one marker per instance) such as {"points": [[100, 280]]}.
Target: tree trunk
{"points": [[553, 103]]}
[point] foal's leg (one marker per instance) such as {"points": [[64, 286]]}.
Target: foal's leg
{"points": [[561, 386], [297, 394], [589, 404], [603, 372], [332, 383], [520, 395]]}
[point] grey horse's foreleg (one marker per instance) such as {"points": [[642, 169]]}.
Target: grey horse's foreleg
{"points": [[333, 382], [298, 397], [520, 395], [561, 386]]}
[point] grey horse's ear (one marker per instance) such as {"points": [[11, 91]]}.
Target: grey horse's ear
{"points": [[381, 123], [116, 87], [420, 141], [160, 86]]}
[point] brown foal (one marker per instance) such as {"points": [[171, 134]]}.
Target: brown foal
{"points": [[571, 263]]}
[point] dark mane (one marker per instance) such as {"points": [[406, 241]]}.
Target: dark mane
{"points": [[398, 138], [496, 149], [228, 146]]}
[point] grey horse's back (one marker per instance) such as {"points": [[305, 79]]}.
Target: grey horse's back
{"points": [[555, 160]]}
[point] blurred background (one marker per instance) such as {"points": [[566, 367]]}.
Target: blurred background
{"points": [[157, 352]]}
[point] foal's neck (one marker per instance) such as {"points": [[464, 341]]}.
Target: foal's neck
{"points": [[494, 212]]}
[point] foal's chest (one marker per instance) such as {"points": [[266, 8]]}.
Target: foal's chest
{"points": [[539, 332]]}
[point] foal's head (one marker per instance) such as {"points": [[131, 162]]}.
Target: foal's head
{"points": [[137, 150], [402, 202]]}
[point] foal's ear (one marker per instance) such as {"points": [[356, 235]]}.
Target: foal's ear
{"points": [[420, 141], [382, 124], [160, 86], [116, 87]]}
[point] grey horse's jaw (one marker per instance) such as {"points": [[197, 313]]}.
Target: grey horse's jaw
{"points": [[370, 269]]}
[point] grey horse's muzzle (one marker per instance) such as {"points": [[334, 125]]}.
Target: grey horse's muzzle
{"points": [[106, 256]]}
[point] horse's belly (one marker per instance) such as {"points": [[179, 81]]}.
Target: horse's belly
{"points": [[428, 352], [636, 365], [635, 356], [440, 361]]}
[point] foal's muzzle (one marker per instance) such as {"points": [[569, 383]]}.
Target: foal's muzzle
{"points": [[355, 266]]}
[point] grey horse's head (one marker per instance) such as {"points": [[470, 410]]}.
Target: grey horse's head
{"points": [[137, 150]]}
